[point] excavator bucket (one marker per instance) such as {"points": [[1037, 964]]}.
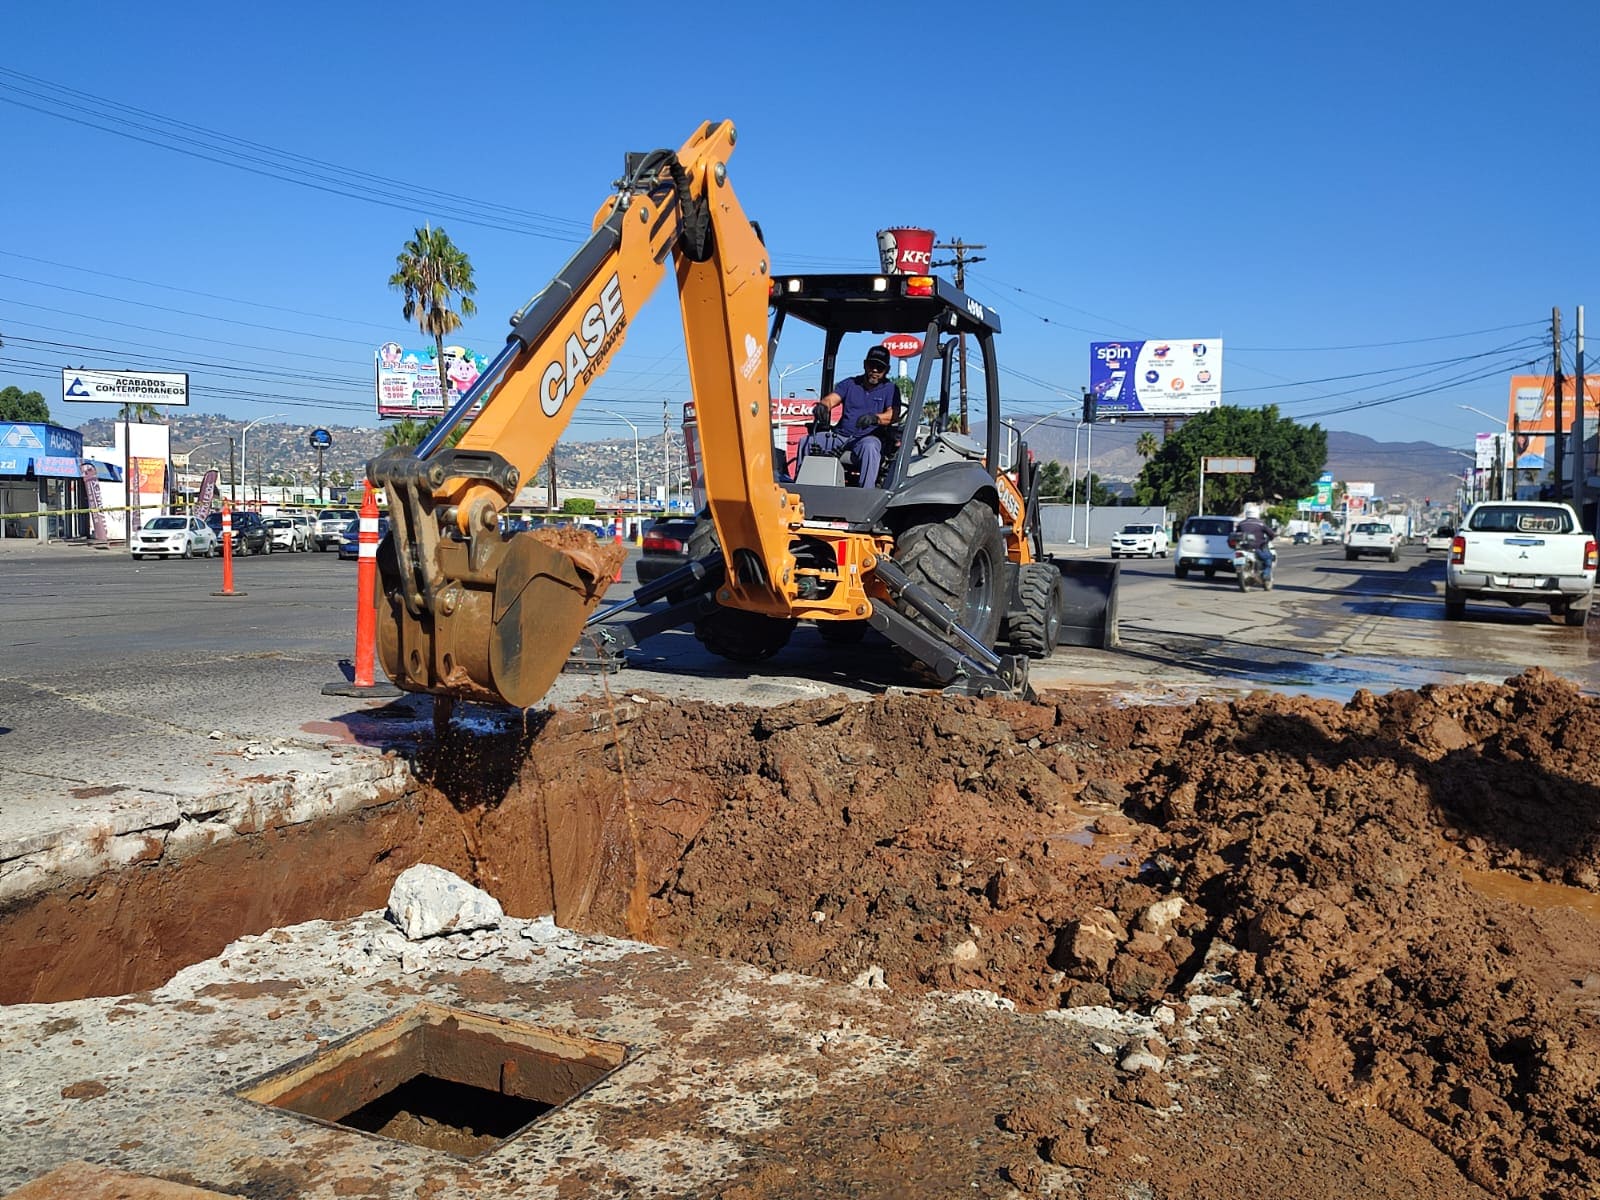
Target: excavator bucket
{"points": [[1089, 598], [501, 628]]}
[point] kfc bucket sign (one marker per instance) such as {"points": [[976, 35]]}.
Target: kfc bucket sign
{"points": [[905, 251]]}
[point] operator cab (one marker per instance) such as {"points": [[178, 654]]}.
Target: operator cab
{"points": [[924, 461]]}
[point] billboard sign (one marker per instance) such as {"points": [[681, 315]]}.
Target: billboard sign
{"points": [[1532, 406], [125, 387], [407, 381], [1360, 491], [1165, 377]]}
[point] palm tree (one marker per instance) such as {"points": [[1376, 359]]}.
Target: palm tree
{"points": [[1146, 445], [139, 411], [404, 433], [429, 271]]}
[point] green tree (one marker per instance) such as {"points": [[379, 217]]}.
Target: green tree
{"points": [[1146, 445], [1289, 457], [1052, 481], [429, 271], [578, 506], [139, 412], [1100, 496], [411, 432], [27, 407]]}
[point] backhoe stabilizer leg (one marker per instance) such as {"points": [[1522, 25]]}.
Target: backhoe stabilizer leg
{"points": [[955, 657]]}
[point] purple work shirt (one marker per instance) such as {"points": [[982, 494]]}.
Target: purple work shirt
{"points": [[859, 401]]}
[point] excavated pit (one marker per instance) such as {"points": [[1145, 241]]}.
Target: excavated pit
{"points": [[1404, 886]]}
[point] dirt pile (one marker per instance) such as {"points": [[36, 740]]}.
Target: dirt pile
{"points": [[1397, 881]]}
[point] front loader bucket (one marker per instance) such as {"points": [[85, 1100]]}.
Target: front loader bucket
{"points": [[499, 631], [1089, 590]]}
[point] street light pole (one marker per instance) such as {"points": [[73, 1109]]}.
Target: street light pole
{"points": [[1072, 510], [638, 478], [242, 466], [790, 370]]}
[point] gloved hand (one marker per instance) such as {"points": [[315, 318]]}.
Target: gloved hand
{"points": [[821, 417], [867, 421]]}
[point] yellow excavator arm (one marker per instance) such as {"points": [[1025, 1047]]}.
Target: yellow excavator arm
{"points": [[468, 612]]}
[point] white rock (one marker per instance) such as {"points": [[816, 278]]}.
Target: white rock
{"points": [[1141, 1058], [872, 978], [427, 900]]}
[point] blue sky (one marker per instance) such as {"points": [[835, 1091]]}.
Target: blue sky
{"points": [[1295, 179]]}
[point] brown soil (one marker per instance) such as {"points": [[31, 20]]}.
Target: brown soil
{"points": [[1406, 888], [1404, 880]]}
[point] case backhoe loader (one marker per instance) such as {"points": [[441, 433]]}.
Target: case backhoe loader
{"points": [[940, 554]]}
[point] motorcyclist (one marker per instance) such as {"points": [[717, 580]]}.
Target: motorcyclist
{"points": [[1252, 533]]}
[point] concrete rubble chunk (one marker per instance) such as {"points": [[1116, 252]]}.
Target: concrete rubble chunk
{"points": [[427, 901]]}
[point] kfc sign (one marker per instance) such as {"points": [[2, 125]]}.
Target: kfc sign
{"points": [[905, 251]]}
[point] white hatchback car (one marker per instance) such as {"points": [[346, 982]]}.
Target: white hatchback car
{"points": [[174, 537], [1148, 540]]}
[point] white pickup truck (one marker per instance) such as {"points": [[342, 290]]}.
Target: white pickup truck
{"points": [[1373, 537], [1521, 552]]}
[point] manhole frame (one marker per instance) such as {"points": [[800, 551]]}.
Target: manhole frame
{"points": [[265, 1089]]}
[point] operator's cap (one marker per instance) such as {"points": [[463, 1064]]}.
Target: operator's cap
{"points": [[877, 357]]}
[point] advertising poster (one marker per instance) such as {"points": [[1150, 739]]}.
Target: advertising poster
{"points": [[149, 486], [1166, 378], [1532, 408], [407, 381]]}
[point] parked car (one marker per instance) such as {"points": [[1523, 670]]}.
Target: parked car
{"points": [[1331, 535], [175, 537], [349, 540], [249, 532], [331, 524], [1203, 546], [286, 534], [1302, 538], [1441, 538], [1149, 540], [666, 548]]}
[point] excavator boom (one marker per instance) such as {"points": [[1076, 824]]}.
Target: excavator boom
{"points": [[476, 614]]}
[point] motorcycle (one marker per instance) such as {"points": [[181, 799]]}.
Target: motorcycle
{"points": [[1247, 567]]}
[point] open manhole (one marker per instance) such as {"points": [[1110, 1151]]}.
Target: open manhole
{"points": [[449, 1080]]}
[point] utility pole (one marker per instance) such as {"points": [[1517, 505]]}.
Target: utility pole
{"points": [[962, 251], [1559, 435], [1581, 470], [550, 484], [666, 460]]}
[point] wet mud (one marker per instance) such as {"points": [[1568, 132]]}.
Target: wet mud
{"points": [[1404, 888]]}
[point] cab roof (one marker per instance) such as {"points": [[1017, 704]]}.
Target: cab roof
{"points": [[879, 304]]}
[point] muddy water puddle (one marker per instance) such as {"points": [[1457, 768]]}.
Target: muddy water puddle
{"points": [[1532, 893]]}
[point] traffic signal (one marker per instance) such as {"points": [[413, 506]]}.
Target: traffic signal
{"points": [[1091, 403]]}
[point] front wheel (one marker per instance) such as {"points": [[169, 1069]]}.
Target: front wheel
{"points": [[1394, 556], [1036, 628]]}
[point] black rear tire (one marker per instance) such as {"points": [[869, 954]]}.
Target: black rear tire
{"points": [[960, 561], [1036, 627], [1575, 617], [743, 637], [1181, 571], [843, 633], [1454, 607]]}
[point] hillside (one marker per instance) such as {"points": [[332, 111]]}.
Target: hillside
{"points": [[1412, 470]]}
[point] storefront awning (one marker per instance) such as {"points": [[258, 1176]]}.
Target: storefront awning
{"points": [[105, 470]]}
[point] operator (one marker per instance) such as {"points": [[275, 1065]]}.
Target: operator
{"points": [[868, 402], [1254, 534]]}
